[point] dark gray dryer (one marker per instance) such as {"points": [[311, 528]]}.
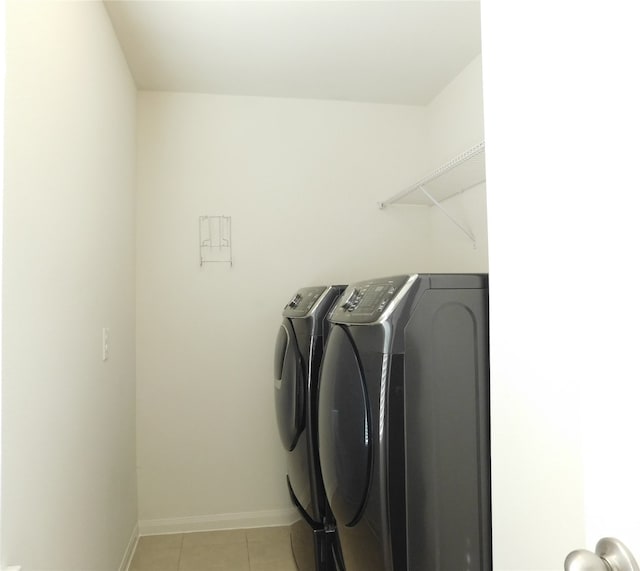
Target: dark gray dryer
{"points": [[404, 423], [298, 353]]}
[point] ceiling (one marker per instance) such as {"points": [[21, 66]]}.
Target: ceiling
{"points": [[395, 51]]}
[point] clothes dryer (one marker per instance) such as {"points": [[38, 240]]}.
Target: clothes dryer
{"points": [[298, 354], [404, 423]]}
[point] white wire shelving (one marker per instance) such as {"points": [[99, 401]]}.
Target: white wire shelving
{"points": [[461, 173]]}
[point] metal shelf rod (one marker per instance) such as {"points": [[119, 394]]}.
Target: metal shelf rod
{"points": [[442, 169]]}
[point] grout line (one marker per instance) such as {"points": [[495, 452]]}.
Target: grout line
{"points": [[246, 544], [180, 554]]}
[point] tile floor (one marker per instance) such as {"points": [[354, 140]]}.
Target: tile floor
{"points": [[261, 549]]}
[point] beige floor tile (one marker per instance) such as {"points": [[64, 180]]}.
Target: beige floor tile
{"points": [[226, 557], [284, 565], [269, 551], [263, 549], [280, 534], [222, 537], [155, 558]]}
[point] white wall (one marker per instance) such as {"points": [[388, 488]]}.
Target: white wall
{"points": [[562, 153], [69, 480], [3, 58], [456, 123], [300, 180]]}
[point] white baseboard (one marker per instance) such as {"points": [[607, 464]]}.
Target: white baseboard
{"points": [[131, 547], [243, 520]]}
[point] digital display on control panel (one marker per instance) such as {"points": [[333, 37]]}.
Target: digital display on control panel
{"points": [[365, 301], [372, 297]]}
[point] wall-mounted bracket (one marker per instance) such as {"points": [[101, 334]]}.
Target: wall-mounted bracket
{"points": [[466, 232], [215, 240]]}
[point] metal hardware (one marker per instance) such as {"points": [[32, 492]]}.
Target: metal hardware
{"points": [[610, 555], [215, 239], [449, 216]]}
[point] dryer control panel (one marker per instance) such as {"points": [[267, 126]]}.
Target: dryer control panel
{"points": [[304, 301], [366, 302]]}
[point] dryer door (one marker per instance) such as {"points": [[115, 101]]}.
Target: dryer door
{"points": [[344, 426], [288, 386]]}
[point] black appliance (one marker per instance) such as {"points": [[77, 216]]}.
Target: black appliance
{"points": [[298, 353], [404, 423]]}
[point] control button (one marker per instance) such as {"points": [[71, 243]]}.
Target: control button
{"points": [[295, 301], [352, 301]]}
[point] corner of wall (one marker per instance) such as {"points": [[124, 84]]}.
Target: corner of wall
{"points": [[130, 550]]}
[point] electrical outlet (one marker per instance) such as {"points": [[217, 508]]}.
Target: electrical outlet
{"points": [[105, 343]]}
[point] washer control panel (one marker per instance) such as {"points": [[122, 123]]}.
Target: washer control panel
{"points": [[365, 302], [303, 302]]}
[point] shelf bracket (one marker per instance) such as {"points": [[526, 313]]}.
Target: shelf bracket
{"points": [[466, 232]]}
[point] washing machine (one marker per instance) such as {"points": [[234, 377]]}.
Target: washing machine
{"points": [[298, 354], [404, 423]]}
